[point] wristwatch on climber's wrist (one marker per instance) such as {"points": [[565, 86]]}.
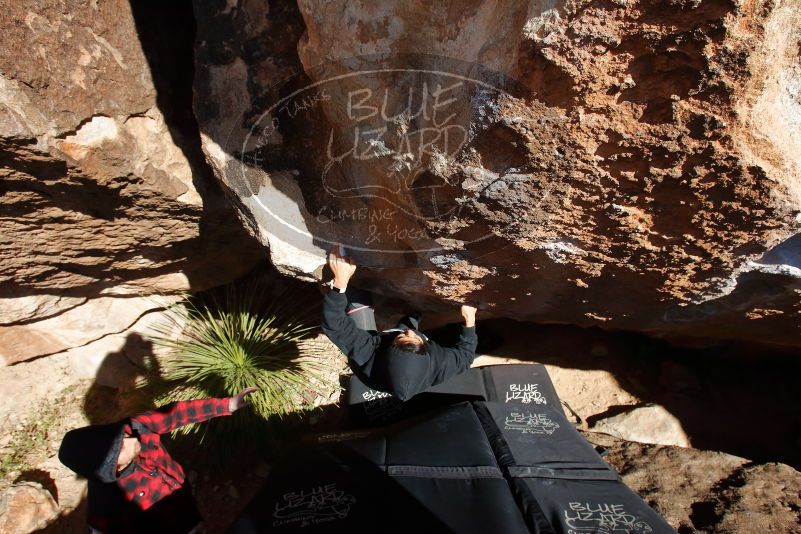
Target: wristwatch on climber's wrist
{"points": [[337, 289]]}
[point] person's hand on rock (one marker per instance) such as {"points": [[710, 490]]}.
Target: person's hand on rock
{"points": [[342, 267], [469, 315], [239, 401]]}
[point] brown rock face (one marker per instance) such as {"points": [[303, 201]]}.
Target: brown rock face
{"points": [[625, 164], [103, 188], [707, 491]]}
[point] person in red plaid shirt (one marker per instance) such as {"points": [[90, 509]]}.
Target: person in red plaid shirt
{"points": [[134, 484]]}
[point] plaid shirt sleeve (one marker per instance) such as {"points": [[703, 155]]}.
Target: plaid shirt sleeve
{"points": [[178, 414]]}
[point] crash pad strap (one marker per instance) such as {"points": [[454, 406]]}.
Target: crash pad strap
{"points": [[456, 472], [489, 384], [563, 474]]}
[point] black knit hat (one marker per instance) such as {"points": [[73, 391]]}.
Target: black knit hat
{"points": [[92, 451]]}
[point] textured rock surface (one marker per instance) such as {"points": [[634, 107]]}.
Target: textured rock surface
{"points": [[644, 175], [26, 507], [646, 424], [705, 491], [75, 327], [103, 189]]}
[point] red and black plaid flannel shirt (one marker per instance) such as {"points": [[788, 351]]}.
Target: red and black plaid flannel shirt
{"points": [[155, 474]]}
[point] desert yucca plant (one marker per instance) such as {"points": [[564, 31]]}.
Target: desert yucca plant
{"points": [[242, 336]]}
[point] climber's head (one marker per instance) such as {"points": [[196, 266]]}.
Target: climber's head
{"points": [[410, 341]]}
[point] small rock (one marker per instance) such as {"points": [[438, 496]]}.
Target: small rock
{"points": [[645, 424], [26, 507]]}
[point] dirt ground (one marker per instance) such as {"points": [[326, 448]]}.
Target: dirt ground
{"points": [[736, 403]]}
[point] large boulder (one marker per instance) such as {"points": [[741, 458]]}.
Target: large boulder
{"points": [[105, 193], [629, 164], [646, 424]]}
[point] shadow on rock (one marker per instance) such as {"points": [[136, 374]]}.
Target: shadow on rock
{"points": [[112, 396]]}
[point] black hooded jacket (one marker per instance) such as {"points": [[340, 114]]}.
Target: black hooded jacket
{"points": [[384, 367]]}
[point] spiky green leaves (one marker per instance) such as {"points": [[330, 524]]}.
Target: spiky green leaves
{"points": [[251, 337]]}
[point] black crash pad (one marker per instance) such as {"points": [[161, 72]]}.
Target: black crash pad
{"points": [[435, 473], [525, 384], [576, 506], [490, 451], [539, 436]]}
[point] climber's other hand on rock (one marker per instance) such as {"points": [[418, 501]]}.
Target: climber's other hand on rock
{"points": [[469, 315]]}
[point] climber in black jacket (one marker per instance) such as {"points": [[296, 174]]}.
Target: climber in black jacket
{"points": [[401, 361]]}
